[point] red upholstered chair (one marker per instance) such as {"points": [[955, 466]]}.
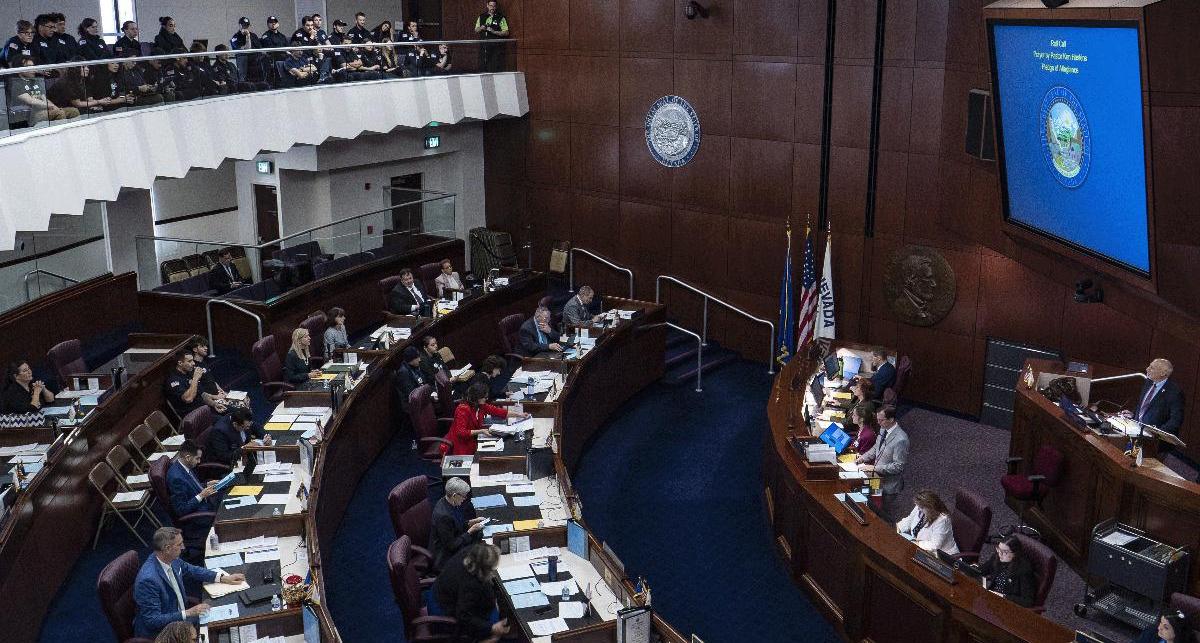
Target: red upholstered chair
{"points": [[427, 273], [412, 516], [197, 421], [315, 325], [445, 401], [1190, 606], [270, 368], [510, 341], [385, 287], [1032, 487], [419, 626], [1045, 566], [158, 481], [428, 427], [971, 519], [66, 359], [209, 470], [903, 373], [115, 591]]}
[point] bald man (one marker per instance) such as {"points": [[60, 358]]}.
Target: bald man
{"points": [[1161, 403]]}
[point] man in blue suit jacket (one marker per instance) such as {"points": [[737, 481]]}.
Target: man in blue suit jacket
{"points": [[885, 374], [1161, 402], [229, 434], [159, 588], [188, 494]]}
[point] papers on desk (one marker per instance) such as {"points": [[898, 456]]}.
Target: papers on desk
{"points": [[278, 477], [512, 572], [173, 441], [852, 475], [499, 479], [224, 560], [528, 555], [220, 613], [513, 429], [489, 502], [240, 501], [855, 496], [217, 590], [24, 448], [457, 372], [246, 490], [1119, 538], [492, 530], [522, 525], [262, 555], [556, 588], [518, 545], [161, 454], [529, 599], [519, 487], [548, 626], [521, 586], [128, 496], [526, 501], [571, 609], [847, 466], [68, 394], [27, 458], [275, 468], [258, 542], [273, 426], [489, 445], [274, 499]]}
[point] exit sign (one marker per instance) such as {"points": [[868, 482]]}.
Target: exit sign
{"points": [[433, 142]]}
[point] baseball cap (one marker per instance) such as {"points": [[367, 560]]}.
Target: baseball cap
{"points": [[244, 21], [272, 19], [339, 23]]}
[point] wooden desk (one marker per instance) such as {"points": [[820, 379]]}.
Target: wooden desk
{"points": [[862, 577], [1099, 482]]}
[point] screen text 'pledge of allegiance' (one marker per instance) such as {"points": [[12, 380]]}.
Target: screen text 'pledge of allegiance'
{"points": [[1053, 61]]}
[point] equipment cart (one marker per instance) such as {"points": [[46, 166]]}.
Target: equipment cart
{"points": [[1138, 574]]}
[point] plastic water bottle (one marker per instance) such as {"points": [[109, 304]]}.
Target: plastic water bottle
{"points": [[566, 593], [214, 543], [276, 512], [529, 387], [276, 604]]}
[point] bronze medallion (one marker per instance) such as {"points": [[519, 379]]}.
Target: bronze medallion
{"points": [[919, 285]]}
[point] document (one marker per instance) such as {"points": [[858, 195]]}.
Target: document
{"points": [[492, 530], [530, 599], [457, 372], [220, 613], [141, 478], [278, 477], [852, 475], [489, 446], [277, 426], [262, 555], [128, 496], [556, 588], [519, 546], [526, 501], [258, 542], [489, 502], [305, 426], [847, 466], [519, 487], [173, 441], [236, 396], [571, 609], [513, 572], [217, 590], [521, 586], [160, 454], [548, 626], [522, 525], [1119, 539], [225, 560], [246, 490], [274, 499], [240, 501], [23, 448]]}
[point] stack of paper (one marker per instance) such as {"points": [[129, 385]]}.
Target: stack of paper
{"points": [[217, 590], [236, 396], [548, 626], [512, 572], [488, 502], [274, 468], [262, 555], [220, 613], [258, 542], [540, 552], [24, 448], [226, 560]]}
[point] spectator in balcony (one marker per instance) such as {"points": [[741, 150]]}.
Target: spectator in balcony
{"points": [[372, 68], [132, 81], [319, 25], [105, 85], [91, 45], [188, 84], [351, 66], [20, 45], [489, 25], [296, 369], [306, 36], [273, 39], [389, 61], [300, 70], [161, 76], [359, 32], [442, 64], [167, 40], [243, 40], [339, 35], [224, 276], [202, 71], [410, 52], [66, 42], [128, 44], [74, 89], [30, 91], [225, 70], [46, 48]]}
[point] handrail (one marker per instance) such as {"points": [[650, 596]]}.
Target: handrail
{"points": [[35, 271], [699, 348], [208, 313], [707, 296], [610, 264]]}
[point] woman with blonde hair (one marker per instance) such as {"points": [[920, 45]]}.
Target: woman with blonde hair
{"points": [[929, 524], [466, 590], [296, 369]]}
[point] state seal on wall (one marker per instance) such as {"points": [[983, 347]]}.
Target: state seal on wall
{"points": [[1066, 138], [672, 131], [919, 285]]}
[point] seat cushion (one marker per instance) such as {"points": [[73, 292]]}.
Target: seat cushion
{"points": [[1017, 486]]}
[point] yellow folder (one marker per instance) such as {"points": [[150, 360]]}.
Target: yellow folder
{"points": [[246, 490]]}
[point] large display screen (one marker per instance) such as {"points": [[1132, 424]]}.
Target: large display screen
{"points": [[1068, 101]]}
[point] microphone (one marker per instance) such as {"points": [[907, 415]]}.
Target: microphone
{"points": [[1120, 377]]}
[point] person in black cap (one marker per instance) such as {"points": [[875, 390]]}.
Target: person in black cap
{"points": [[339, 36], [243, 39], [271, 39]]}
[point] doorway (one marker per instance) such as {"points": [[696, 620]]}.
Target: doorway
{"points": [[406, 219], [266, 214]]}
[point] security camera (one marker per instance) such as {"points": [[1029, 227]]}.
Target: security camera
{"points": [[1088, 291], [693, 9]]}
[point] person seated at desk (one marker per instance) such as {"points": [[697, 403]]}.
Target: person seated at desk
{"points": [[208, 384], [22, 394], [576, 312], [885, 374], [454, 525], [491, 375], [1161, 401], [432, 362], [182, 387], [863, 416], [1172, 627], [296, 369], [468, 420], [229, 434], [928, 525], [537, 334], [335, 332], [178, 632], [406, 298], [224, 276], [159, 590], [466, 591], [862, 391], [1009, 573], [447, 279]]}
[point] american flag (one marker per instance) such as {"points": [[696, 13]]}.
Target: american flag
{"points": [[808, 295]]}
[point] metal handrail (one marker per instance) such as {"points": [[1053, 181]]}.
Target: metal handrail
{"points": [[35, 271], [699, 348], [610, 264], [704, 333], [208, 313]]}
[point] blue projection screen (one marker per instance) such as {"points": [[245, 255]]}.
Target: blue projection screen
{"points": [[1070, 134]]}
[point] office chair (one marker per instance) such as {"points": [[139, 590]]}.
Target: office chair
{"points": [[445, 401], [315, 325], [428, 427], [510, 340], [114, 588], [197, 421], [427, 273], [903, 373], [412, 516], [270, 368], [419, 626], [1045, 566], [385, 288], [1190, 606], [1031, 488], [66, 359], [971, 519]]}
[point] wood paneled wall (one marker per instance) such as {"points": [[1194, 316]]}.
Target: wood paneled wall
{"points": [[577, 169]]}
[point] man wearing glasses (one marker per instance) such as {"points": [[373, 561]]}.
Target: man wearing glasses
{"points": [[20, 44], [158, 590]]}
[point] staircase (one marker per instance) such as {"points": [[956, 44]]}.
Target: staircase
{"points": [[681, 360]]}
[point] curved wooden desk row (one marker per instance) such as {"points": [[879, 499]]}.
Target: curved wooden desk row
{"points": [[1098, 480], [52, 522], [861, 577], [355, 290]]}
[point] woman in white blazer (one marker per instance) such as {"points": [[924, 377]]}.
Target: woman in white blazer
{"points": [[929, 524]]}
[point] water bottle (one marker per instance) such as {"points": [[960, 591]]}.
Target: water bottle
{"points": [[276, 512], [552, 568], [529, 387], [566, 593], [276, 604], [214, 543]]}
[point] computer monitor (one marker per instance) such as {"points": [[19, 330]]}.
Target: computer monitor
{"points": [[851, 365], [833, 367], [312, 626], [577, 539], [835, 437]]}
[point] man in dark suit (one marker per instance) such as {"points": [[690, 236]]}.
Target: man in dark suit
{"points": [[159, 590], [1161, 402], [224, 276], [538, 335], [229, 433], [408, 377], [454, 525], [189, 495], [885, 374], [576, 312], [406, 298]]}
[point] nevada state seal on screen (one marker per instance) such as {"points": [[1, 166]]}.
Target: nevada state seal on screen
{"points": [[672, 131], [1066, 139]]}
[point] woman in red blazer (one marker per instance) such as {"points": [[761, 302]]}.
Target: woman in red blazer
{"points": [[468, 419]]}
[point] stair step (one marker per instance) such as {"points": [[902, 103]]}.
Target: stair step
{"points": [[679, 357], [706, 367]]}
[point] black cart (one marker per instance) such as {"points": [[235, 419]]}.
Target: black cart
{"points": [[1138, 574]]}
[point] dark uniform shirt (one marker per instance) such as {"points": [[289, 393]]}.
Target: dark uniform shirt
{"points": [[435, 57], [239, 39], [34, 87], [410, 53], [359, 34], [14, 49], [93, 48], [126, 46], [47, 51], [67, 45], [15, 399], [176, 385]]}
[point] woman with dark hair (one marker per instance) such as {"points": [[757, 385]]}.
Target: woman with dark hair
{"points": [[862, 390], [1172, 627], [491, 375], [389, 62], [863, 416], [929, 524], [1009, 573], [177, 632], [91, 45], [105, 86], [466, 590], [77, 89], [167, 40], [22, 394], [468, 419], [335, 331]]}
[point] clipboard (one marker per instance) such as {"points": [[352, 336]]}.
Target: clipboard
{"points": [[634, 624]]}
